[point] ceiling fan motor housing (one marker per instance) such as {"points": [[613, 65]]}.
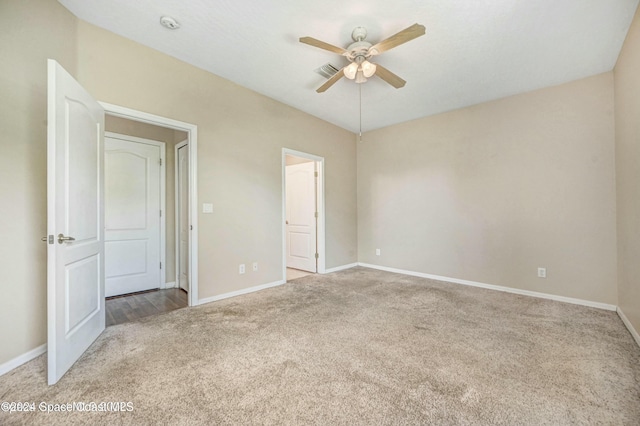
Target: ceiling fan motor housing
{"points": [[359, 34], [358, 49]]}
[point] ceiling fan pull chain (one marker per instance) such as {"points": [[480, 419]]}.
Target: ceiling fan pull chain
{"points": [[360, 134]]}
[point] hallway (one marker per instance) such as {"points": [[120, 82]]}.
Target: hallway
{"points": [[130, 307]]}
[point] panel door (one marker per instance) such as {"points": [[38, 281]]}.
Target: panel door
{"points": [[132, 216], [301, 221], [75, 199]]}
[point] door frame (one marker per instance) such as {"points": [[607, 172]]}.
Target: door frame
{"points": [[320, 201], [192, 138], [163, 195], [177, 209]]}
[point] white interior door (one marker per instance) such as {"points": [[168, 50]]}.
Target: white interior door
{"points": [[183, 216], [301, 216], [132, 216], [75, 254]]}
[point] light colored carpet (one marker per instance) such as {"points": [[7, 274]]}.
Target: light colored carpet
{"points": [[354, 347]]}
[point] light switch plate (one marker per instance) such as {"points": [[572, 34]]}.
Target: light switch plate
{"points": [[207, 208]]}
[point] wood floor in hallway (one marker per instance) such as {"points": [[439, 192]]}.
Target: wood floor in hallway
{"points": [[130, 307]]}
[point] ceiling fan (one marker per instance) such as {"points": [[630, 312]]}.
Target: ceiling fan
{"points": [[360, 51]]}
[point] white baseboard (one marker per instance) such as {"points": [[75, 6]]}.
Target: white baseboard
{"points": [[172, 284], [629, 326], [571, 300], [340, 268], [19, 360], [240, 292]]}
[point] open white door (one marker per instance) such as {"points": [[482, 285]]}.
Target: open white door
{"points": [[182, 198], [301, 216], [75, 221]]}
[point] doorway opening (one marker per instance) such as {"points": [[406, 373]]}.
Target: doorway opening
{"points": [[303, 214], [178, 283], [140, 268]]}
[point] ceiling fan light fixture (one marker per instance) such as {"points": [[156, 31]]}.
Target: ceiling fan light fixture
{"points": [[368, 69], [360, 78], [351, 70]]}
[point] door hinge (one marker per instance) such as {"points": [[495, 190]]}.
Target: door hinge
{"points": [[160, 213], [160, 161], [317, 255], [191, 227], [315, 215], [315, 174], [160, 265]]}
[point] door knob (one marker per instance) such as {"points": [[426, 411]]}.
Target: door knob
{"points": [[62, 238]]}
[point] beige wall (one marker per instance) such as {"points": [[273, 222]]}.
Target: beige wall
{"points": [[170, 137], [491, 192], [627, 103], [241, 135], [32, 31], [240, 139]]}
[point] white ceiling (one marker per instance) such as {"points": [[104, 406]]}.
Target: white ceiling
{"points": [[474, 50]]}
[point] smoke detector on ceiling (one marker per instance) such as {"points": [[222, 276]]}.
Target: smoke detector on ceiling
{"points": [[169, 22]]}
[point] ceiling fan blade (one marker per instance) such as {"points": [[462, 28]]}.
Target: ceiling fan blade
{"points": [[389, 77], [331, 81], [408, 34], [322, 45]]}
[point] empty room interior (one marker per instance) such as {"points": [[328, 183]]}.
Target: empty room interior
{"points": [[330, 213]]}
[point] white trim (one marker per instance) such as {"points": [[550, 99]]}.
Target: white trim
{"points": [[176, 204], [192, 132], [21, 359], [240, 292], [172, 284], [322, 260], [629, 326], [321, 209], [571, 300], [163, 195], [340, 268]]}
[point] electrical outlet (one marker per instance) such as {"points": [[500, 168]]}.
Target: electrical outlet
{"points": [[377, 252], [241, 269], [255, 266], [542, 272]]}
